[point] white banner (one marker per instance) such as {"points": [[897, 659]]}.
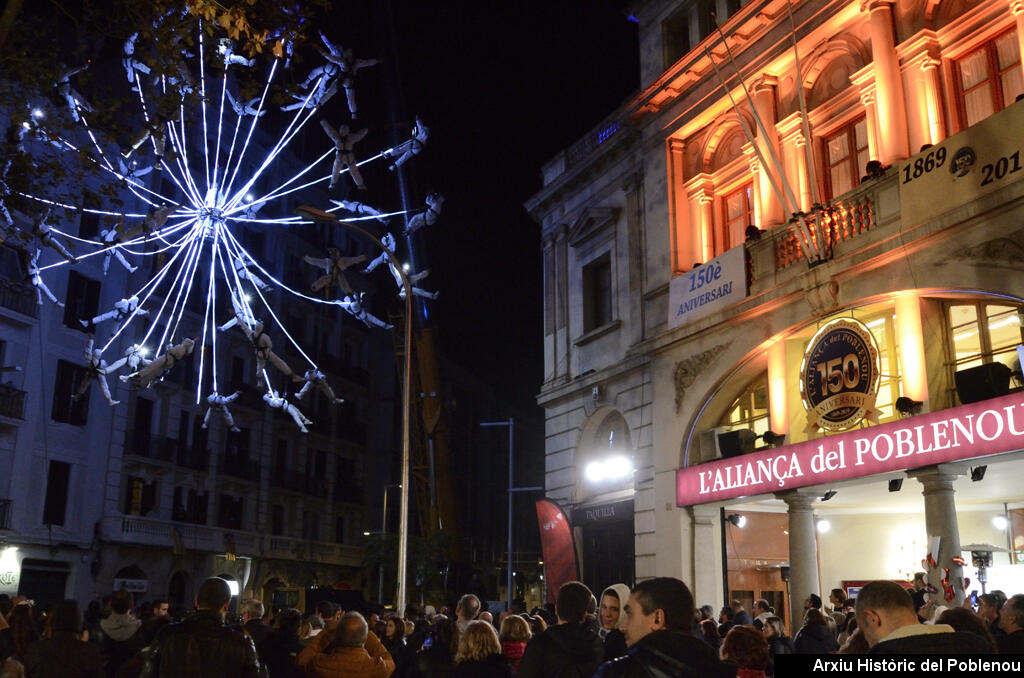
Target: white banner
{"points": [[707, 288]]}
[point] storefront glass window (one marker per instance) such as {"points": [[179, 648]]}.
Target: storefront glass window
{"points": [[750, 410], [984, 333], [883, 329]]}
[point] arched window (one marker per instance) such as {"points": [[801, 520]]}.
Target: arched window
{"points": [[750, 409]]}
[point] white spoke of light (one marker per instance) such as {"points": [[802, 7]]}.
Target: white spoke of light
{"points": [[252, 127]]}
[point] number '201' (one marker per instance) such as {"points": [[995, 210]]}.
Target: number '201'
{"points": [[1000, 168]]}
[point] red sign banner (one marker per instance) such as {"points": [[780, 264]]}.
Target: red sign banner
{"points": [[989, 427], [557, 545]]}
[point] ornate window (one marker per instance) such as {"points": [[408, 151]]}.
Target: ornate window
{"points": [[750, 409], [989, 78], [984, 333], [737, 214], [846, 155]]}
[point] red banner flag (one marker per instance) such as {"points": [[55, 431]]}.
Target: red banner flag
{"points": [[557, 545]]}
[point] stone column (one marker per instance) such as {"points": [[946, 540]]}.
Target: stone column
{"points": [[707, 226], [1017, 10], [757, 195], [803, 551], [871, 117], [763, 94], [803, 175], [892, 107], [933, 103], [707, 571], [940, 521]]}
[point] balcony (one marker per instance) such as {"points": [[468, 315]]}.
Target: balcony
{"points": [[299, 482], [19, 298], [12, 403], [145, 445], [240, 467]]}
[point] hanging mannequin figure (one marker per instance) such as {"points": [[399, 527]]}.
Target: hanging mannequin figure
{"points": [[361, 208], [334, 266], [158, 368], [134, 357], [226, 47], [242, 314], [350, 66], [243, 272], [71, 97], [420, 132], [157, 218], [389, 244], [354, 305], [96, 369], [319, 97], [111, 239], [122, 310], [130, 63], [41, 230], [344, 158], [244, 108], [37, 281], [263, 346], [318, 379], [273, 400], [153, 128], [220, 403], [435, 201]]}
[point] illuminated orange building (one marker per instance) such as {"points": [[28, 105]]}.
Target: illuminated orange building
{"points": [[683, 340]]}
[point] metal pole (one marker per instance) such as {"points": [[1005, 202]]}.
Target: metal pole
{"points": [[321, 216], [383, 532], [511, 495]]}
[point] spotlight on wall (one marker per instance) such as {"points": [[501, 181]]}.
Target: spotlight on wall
{"points": [[737, 520], [896, 484], [978, 473], [1000, 522], [828, 495], [982, 382], [773, 439], [823, 526], [908, 407], [735, 443]]}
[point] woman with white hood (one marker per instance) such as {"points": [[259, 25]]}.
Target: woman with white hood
{"points": [[612, 613]]}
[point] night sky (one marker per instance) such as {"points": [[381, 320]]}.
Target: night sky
{"points": [[503, 87]]}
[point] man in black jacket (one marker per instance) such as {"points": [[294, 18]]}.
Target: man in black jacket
{"points": [[1011, 621], [887, 618], [202, 645], [569, 648], [657, 629]]}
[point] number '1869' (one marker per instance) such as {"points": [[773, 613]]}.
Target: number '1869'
{"points": [[924, 165]]}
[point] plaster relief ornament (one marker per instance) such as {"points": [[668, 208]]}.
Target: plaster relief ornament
{"points": [[278, 403], [344, 159], [428, 217], [410, 148], [687, 370], [96, 369], [215, 189], [220, 403], [318, 379]]}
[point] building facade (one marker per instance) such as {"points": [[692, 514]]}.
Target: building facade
{"points": [[143, 495], [684, 340]]}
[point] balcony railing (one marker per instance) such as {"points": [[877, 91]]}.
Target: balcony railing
{"points": [[842, 220], [241, 468], [12, 402], [18, 297]]}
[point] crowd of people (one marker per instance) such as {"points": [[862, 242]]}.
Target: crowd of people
{"points": [[655, 629]]}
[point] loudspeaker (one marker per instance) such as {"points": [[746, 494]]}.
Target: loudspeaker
{"points": [[735, 443], [990, 380]]}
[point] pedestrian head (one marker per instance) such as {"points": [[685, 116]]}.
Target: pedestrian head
{"points": [[656, 604], [121, 601], [477, 642], [1011, 616], [468, 607], [325, 609], [571, 605], [251, 609], [515, 629], [761, 606], [66, 616], [813, 602], [214, 594], [747, 647], [883, 607], [773, 626], [613, 606], [351, 632], [289, 621]]}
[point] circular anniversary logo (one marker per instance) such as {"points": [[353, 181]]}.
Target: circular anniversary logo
{"points": [[839, 376]]}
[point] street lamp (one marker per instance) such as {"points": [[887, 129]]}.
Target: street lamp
{"points": [[511, 424], [321, 216]]}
